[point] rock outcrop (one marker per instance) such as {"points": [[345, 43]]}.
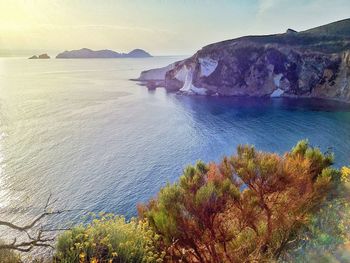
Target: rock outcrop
{"points": [[42, 56], [138, 53], [106, 53], [312, 63]]}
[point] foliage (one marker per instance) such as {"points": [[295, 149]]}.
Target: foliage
{"points": [[327, 235], [251, 207], [8, 256], [345, 171], [109, 239]]}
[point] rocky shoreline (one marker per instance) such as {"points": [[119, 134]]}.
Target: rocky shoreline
{"points": [[312, 64]]}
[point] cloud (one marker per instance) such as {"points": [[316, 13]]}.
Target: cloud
{"points": [[24, 27], [266, 5]]}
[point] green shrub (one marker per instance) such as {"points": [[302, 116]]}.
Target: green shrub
{"points": [[109, 239], [250, 207], [326, 237]]}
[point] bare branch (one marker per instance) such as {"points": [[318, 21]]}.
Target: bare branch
{"points": [[36, 240]]}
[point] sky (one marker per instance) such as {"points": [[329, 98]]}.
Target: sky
{"points": [[161, 27]]}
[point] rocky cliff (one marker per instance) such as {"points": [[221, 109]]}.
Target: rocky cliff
{"points": [[312, 63]]}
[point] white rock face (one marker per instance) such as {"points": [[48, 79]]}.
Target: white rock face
{"points": [[208, 66], [187, 74], [182, 74], [277, 93], [155, 74], [198, 91], [188, 87], [277, 80]]}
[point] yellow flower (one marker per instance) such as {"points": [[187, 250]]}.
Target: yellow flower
{"points": [[114, 254], [345, 174]]}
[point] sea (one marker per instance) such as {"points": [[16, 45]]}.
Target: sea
{"points": [[80, 131]]}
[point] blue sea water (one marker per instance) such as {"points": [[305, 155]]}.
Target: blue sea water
{"points": [[81, 130]]}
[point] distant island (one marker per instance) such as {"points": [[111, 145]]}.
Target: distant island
{"points": [[106, 53], [313, 63], [42, 56]]}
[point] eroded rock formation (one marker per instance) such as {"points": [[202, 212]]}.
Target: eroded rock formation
{"points": [[312, 63]]}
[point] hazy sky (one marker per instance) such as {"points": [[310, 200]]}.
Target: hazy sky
{"points": [[158, 26]]}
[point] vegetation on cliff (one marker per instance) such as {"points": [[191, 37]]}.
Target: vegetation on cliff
{"points": [[110, 239], [251, 207]]}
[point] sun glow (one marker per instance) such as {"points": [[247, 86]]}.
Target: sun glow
{"points": [[160, 27], [25, 22]]}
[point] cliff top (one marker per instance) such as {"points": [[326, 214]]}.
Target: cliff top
{"points": [[329, 38]]}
